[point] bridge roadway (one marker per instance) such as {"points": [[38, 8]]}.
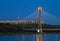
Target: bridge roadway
{"points": [[44, 30], [16, 21]]}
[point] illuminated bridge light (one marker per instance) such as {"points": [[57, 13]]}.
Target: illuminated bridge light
{"points": [[40, 9], [38, 30]]}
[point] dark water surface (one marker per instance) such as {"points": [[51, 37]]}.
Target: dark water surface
{"points": [[29, 37]]}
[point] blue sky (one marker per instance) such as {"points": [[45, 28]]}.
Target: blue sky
{"points": [[22, 8], [12, 9]]}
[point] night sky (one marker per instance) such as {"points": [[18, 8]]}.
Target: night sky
{"points": [[21, 8]]}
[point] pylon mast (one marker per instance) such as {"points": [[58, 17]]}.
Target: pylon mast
{"points": [[39, 38]]}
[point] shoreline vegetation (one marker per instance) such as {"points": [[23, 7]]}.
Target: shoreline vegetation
{"points": [[6, 28]]}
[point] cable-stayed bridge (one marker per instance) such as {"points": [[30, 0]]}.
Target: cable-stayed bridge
{"points": [[47, 18], [30, 23], [39, 22]]}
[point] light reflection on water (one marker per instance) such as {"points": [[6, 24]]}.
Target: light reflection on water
{"points": [[29, 37]]}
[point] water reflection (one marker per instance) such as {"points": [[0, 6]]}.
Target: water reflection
{"points": [[30, 37]]}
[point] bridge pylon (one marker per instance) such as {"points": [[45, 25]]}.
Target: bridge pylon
{"points": [[39, 37]]}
